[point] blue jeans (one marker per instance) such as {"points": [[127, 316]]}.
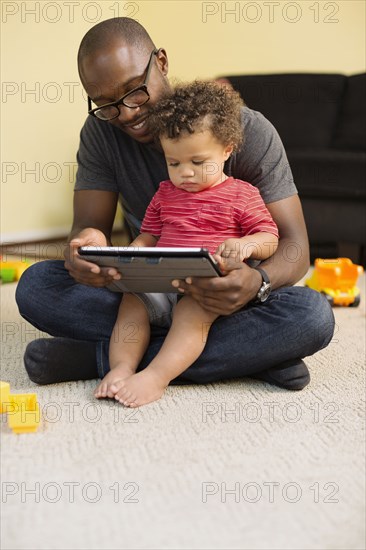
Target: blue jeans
{"points": [[294, 322]]}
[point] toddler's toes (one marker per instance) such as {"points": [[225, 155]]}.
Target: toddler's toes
{"points": [[104, 392], [129, 400], [123, 392], [99, 391], [121, 396], [111, 391], [117, 385], [115, 388]]}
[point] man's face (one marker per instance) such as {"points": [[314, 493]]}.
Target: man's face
{"points": [[116, 70], [195, 161]]}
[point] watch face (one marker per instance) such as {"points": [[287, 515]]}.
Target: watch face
{"points": [[264, 292]]}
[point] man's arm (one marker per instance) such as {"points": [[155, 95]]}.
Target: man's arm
{"points": [[225, 295], [93, 208], [291, 259], [94, 213]]}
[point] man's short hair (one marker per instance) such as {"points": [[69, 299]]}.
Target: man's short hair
{"points": [[106, 32]]}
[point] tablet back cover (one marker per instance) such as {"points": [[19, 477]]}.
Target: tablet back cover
{"points": [[140, 274]]}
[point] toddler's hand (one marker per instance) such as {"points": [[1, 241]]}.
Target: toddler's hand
{"points": [[231, 248]]}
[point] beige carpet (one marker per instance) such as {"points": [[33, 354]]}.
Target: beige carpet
{"points": [[229, 465]]}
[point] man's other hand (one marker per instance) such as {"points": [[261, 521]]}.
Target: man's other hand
{"points": [[85, 272], [227, 294]]}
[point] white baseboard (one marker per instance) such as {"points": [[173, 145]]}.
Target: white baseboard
{"points": [[8, 239]]}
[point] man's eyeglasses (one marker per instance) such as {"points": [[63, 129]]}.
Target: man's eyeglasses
{"points": [[133, 99]]}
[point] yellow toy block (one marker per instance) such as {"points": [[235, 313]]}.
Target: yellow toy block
{"points": [[4, 397], [12, 270], [25, 415], [22, 409]]}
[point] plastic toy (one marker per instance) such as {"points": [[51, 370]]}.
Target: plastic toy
{"points": [[22, 409], [12, 270], [4, 396], [337, 279]]}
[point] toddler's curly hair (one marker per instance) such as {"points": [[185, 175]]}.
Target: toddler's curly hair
{"points": [[198, 106]]}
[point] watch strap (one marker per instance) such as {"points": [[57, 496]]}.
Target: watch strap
{"points": [[264, 274]]}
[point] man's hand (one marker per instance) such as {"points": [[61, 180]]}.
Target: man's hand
{"points": [[85, 272], [223, 295]]}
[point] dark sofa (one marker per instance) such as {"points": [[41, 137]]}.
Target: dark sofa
{"points": [[321, 119]]}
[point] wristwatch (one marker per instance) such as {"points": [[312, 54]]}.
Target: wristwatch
{"points": [[265, 288]]}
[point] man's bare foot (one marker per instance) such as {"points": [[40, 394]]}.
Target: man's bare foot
{"points": [[115, 376], [141, 388]]}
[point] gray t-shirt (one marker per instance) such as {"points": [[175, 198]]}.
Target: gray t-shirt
{"points": [[110, 160]]}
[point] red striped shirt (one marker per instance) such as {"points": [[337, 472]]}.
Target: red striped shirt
{"points": [[234, 208]]}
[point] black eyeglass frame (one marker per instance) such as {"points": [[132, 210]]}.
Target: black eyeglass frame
{"points": [[120, 101]]}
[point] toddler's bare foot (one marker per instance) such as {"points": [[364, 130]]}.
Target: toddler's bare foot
{"points": [[113, 378], [141, 388]]}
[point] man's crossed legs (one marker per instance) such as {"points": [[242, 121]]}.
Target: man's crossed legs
{"points": [[265, 341]]}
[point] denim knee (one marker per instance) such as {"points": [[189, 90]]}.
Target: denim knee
{"points": [[32, 285], [319, 321]]}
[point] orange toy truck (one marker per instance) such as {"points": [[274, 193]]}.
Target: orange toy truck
{"points": [[336, 279]]}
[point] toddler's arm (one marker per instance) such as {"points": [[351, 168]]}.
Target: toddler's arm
{"points": [[258, 246], [144, 239]]}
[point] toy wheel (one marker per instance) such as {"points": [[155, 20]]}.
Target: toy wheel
{"points": [[356, 301], [329, 298]]}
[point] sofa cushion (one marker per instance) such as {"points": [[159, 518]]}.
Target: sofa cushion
{"points": [[334, 220], [351, 128], [329, 173], [302, 107]]}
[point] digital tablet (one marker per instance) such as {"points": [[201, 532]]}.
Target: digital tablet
{"points": [[152, 269]]}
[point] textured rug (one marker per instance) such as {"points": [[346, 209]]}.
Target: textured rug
{"points": [[238, 464]]}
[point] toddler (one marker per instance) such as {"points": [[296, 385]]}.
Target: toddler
{"points": [[198, 127]]}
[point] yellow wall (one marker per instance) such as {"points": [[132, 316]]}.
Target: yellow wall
{"points": [[43, 106]]}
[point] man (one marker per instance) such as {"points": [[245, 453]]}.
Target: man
{"points": [[265, 327]]}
